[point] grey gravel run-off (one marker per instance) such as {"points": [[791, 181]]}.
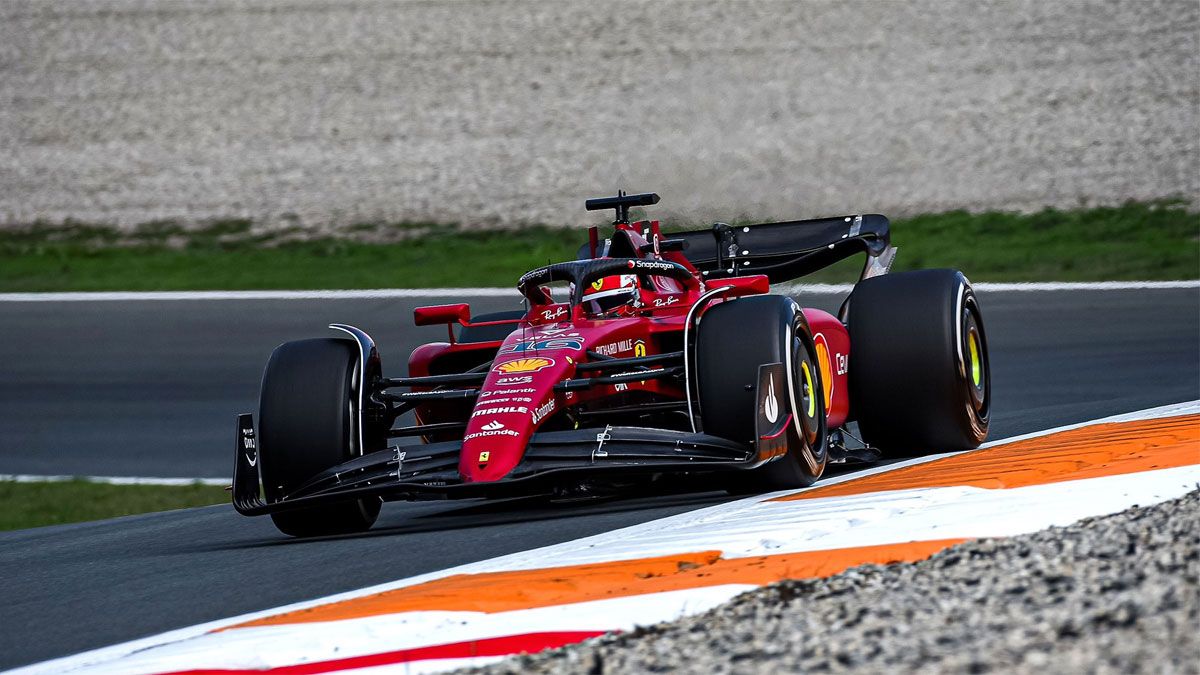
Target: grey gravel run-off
{"points": [[326, 113]]}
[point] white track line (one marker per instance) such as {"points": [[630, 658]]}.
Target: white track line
{"points": [[366, 294], [1018, 286], [386, 293], [113, 480]]}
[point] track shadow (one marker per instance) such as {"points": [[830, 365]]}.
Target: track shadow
{"points": [[695, 491], [486, 514]]}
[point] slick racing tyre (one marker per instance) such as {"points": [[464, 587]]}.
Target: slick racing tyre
{"points": [[307, 423], [733, 340], [490, 333], [920, 381]]}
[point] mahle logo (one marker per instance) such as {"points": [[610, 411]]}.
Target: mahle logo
{"points": [[523, 366]]}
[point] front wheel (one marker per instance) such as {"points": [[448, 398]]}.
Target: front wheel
{"points": [[735, 338], [307, 423]]}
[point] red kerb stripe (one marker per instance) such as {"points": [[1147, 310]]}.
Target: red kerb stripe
{"points": [[498, 646]]}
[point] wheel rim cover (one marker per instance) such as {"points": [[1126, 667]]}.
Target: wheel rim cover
{"points": [[806, 397], [976, 366]]}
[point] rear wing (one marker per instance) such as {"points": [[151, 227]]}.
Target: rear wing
{"points": [[788, 250]]}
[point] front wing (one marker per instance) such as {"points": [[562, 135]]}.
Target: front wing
{"points": [[551, 459], [431, 470]]}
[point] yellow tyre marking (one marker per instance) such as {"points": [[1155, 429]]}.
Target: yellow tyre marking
{"points": [[976, 364], [812, 399]]}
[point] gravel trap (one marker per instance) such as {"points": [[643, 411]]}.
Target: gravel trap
{"points": [[1114, 594]]}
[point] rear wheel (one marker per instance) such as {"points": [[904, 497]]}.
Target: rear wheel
{"points": [[919, 373], [307, 423], [734, 339]]}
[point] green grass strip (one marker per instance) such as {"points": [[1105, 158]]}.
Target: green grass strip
{"points": [[24, 505], [1155, 240]]}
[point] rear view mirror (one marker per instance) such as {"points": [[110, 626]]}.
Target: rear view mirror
{"points": [[438, 314]]}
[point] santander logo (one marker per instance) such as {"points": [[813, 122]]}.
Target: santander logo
{"points": [[493, 428]]}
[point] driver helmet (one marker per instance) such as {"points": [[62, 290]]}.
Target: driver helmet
{"points": [[611, 293]]}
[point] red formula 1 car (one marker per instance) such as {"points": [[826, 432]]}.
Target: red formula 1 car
{"points": [[650, 355]]}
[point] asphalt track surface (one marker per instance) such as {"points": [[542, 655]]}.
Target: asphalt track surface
{"points": [[150, 388]]}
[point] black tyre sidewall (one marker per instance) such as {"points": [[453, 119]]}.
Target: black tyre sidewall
{"points": [[908, 389], [307, 424], [734, 338], [983, 414]]}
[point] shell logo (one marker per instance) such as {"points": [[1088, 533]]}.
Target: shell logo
{"points": [[523, 366], [826, 367]]}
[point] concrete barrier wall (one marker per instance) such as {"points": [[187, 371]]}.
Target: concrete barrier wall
{"points": [[334, 112]]}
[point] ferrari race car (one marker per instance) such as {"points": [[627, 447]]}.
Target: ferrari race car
{"points": [[649, 355]]}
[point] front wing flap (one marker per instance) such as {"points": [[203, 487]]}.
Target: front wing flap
{"points": [[431, 470]]}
